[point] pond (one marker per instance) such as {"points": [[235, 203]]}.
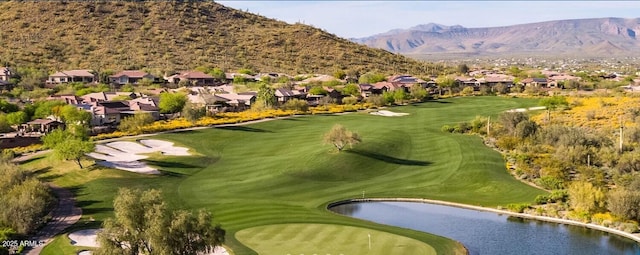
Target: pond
{"points": [[490, 233]]}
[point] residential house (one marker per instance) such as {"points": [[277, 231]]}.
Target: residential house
{"points": [[194, 78], [389, 86], [105, 113], [558, 81], [283, 95], [407, 81], [234, 102], [130, 77], [6, 74], [470, 82], [109, 96], [84, 76], [68, 98], [495, 79], [39, 126], [535, 82]]}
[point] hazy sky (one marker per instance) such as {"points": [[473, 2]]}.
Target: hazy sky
{"points": [[364, 18]]}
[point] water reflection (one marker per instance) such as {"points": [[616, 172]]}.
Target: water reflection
{"points": [[490, 233]]}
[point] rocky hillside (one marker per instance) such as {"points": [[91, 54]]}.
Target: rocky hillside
{"points": [[580, 37], [174, 35]]}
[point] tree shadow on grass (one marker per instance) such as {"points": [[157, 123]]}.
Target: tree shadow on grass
{"points": [[171, 174], [165, 164], [31, 160], [244, 128], [87, 210], [389, 159]]}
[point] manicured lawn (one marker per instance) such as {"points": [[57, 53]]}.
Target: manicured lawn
{"points": [[328, 239], [279, 172]]}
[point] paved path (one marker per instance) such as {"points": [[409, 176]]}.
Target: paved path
{"points": [[63, 216]]}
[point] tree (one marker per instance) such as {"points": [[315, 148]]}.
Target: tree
{"points": [[467, 91], [417, 92], [510, 120], [339, 74], [445, 82], [296, 105], [553, 103], [172, 102], [218, 74], [192, 112], [17, 118], [73, 149], [351, 90], [267, 96], [370, 78], [624, 203], [501, 88], [340, 137], [318, 90], [24, 199], [135, 123], [400, 96], [584, 197], [463, 69], [144, 225]]}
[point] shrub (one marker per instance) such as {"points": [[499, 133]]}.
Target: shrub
{"points": [[629, 227], [350, 100], [548, 182], [507, 142], [462, 127], [447, 128], [519, 208], [296, 105]]}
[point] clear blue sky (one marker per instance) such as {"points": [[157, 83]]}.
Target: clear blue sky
{"points": [[364, 18]]}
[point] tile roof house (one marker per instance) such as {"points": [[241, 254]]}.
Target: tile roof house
{"points": [[42, 126], [195, 78], [495, 79], [535, 82], [68, 98], [406, 80], [283, 95], [130, 77], [108, 96], [84, 76]]}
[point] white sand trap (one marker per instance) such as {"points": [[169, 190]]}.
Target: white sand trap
{"points": [[389, 113], [125, 155], [85, 253], [131, 147], [117, 157], [131, 166], [527, 109], [165, 147], [85, 237]]}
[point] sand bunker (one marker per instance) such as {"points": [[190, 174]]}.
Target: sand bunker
{"points": [[89, 237], [527, 109], [389, 113], [85, 237], [125, 155]]}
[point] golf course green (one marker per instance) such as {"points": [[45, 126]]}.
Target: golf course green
{"points": [[267, 181]]}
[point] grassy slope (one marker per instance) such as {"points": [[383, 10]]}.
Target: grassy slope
{"points": [[278, 172]]}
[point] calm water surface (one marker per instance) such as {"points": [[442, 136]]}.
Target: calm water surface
{"points": [[491, 233]]}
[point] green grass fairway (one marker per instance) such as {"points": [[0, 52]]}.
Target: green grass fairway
{"points": [[279, 172], [327, 239]]}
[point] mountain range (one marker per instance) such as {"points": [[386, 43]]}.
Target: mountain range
{"points": [[577, 37]]}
